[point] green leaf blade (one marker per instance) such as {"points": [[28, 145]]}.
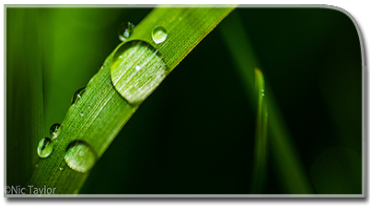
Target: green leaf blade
{"points": [[260, 157], [290, 172], [101, 113]]}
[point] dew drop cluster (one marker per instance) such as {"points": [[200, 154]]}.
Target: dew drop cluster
{"points": [[79, 156], [159, 33], [46, 144]]}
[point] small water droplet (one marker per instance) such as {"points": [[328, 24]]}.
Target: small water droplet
{"points": [[36, 165], [159, 34], [137, 67], [45, 147], [55, 130], [80, 156], [125, 31], [61, 169], [82, 114], [78, 95]]}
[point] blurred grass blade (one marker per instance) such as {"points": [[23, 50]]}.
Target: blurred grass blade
{"points": [[24, 94], [97, 117], [260, 156], [241, 52], [291, 172]]}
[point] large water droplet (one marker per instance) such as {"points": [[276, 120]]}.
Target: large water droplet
{"points": [[78, 95], [45, 147], [80, 156], [159, 34], [137, 69], [55, 130], [125, 30]]}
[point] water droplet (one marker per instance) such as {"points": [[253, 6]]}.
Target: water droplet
{"points": [[159, 34], [125, 30], [36, 165], [136, 77], [45, 147], [80, 156], [55, 130], [78, 95], [82, 114], [137, 68], [61, 169]]}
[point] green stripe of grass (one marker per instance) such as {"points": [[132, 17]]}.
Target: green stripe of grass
{"points": [[291, 173], [260, 156], [102, 112]]}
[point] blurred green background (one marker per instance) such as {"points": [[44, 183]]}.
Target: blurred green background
{"points": [[195, 133]]}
